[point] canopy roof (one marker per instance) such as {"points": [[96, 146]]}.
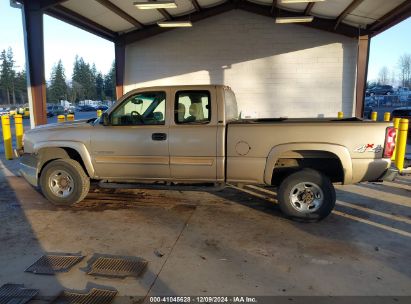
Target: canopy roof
{"points": [[120, 19]]}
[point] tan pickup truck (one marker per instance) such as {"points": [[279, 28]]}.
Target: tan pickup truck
{"points": [[193, 134]]}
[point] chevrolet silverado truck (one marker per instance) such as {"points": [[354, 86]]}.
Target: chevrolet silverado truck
{"points": [[193, 134]]}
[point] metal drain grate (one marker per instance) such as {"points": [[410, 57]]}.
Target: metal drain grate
{"points": [[50, 264], [16, 294], [95, 296], [119, 267]]}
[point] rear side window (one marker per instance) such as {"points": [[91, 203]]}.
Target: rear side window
{"points": [[192, 107], [231, 111], [401, 113]]}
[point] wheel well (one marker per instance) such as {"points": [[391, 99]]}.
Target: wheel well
{"points": [[47, 155], [293, 161]]}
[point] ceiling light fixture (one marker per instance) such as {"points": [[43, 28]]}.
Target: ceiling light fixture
{"points": [[175, 24], [299, 1], [294, 19], [150, 4]]}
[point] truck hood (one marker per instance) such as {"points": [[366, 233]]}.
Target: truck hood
{"points": [[71, 131], [61, 125]]}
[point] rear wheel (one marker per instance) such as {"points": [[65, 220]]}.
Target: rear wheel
{"points": [[306, 194], [64, 182]]}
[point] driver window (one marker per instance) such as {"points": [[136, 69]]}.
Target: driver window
{"points": [[146, 108]]}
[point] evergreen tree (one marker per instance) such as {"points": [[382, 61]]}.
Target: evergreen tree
{"points": [[110, 83], [7, 74], [100, 86], [84, 79], [58, 85], [20, 84], [78, 79]]}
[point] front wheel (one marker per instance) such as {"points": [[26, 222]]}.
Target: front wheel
{"points": [[306, 194], [64, 182]]}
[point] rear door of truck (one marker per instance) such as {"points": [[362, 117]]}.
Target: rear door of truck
{"points": [[193, 134]]}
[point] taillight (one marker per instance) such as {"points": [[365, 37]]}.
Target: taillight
{"points": [[389, 142]]}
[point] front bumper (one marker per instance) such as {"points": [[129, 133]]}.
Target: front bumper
{"points": [[29, 168]]}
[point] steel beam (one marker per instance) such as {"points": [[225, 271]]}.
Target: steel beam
{"points": [[119, 12], [362, 71], [44, 4], [400, 13], [318, 23], [309, 8], [73, 18], [196, 5], [34, 47], [120, 63], [153, 30], [353, 5]]}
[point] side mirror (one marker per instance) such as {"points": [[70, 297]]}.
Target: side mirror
{"points": [[105, 119]]}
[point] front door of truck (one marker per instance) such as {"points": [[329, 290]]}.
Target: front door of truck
{"points": [[135, 143], [193, 135]]}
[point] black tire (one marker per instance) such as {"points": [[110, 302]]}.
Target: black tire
{"points": [[79, 181], [314, 180]]}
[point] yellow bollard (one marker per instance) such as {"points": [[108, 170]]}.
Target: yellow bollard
{"points": [[99, 113], [374, 116], [387, 116], [340, 115], [70, 117], [61, 118], [18, 122], [396, 125], [402, 144], [8, 145]]}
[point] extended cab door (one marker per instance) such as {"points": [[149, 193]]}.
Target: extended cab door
{"points": [[135, 143], [193, 135]]}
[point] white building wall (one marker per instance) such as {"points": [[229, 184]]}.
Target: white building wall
{"points": [[274, 69]]}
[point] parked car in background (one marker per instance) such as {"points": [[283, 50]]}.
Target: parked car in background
{"points": [[3, 111], [102, 108], [55, 110], [380, 90], [86, 108], [367, 112], [70, 109], [12, 111], [403, 112], [25, 112], [404, 93]]}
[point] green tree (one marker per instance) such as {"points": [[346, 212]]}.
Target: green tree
{"points": [[100, 86], [110, 83], [7, 74], [83, 80], [20, 84], [58, 85]]}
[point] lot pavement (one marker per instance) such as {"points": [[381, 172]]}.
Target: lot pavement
{"points": [[202, 242]]}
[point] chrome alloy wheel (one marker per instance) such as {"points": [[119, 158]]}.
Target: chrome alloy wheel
{"points": [[306, 197], [61, 183]]}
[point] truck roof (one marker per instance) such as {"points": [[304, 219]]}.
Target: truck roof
{"points": [[184, 87]]}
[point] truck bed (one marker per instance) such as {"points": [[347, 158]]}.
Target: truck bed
{"points": [[252, 143]]}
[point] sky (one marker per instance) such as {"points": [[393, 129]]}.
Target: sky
{"points": [[63, 41], [387, 47]]}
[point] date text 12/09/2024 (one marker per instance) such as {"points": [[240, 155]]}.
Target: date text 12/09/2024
{"points": [[203, 299]]}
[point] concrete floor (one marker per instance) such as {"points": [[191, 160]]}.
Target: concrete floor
{"points": [[230, 242]]}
